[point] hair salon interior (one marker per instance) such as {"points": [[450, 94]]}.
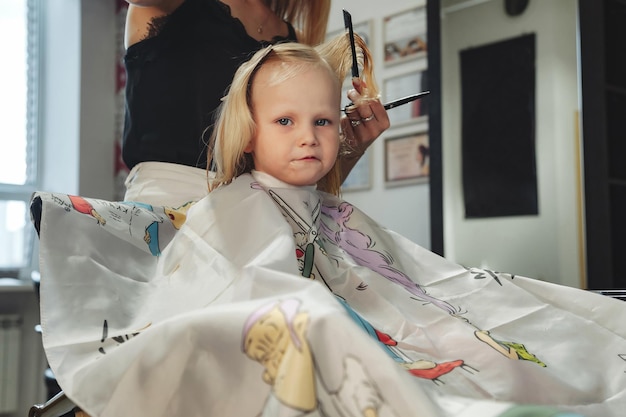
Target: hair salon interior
{"points": [[513, 162]]}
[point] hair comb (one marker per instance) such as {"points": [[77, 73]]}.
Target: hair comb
{"points": [[347, 21]]}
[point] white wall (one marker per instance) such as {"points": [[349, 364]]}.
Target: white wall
{"points": [[544, 246], [97, 98], [403, 209], [78, 112], [60, 94], [77, 137]]}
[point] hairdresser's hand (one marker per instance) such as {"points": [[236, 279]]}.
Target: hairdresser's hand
{"points": [[365, 120]]}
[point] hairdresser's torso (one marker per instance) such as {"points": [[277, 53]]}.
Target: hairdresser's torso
{"points": [[181, 57]]}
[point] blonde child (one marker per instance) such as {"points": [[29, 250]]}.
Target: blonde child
{"points": [[282, 115]]}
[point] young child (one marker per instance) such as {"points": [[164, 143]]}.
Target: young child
{"points": [[277, 297], [282, 114]]}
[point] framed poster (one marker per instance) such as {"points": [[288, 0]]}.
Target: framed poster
{"points": [[404, 85], [407, 159], [404, 36], [360, 177], [364, 29]]}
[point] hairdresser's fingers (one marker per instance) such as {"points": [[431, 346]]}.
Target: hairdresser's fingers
{"points": [[366, 109], [368, 121], [373, 110], [360, 135]]}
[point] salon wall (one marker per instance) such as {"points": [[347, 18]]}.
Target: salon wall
{"points": [[404, 209], [77, 108], [78, 97], [546, 246]]}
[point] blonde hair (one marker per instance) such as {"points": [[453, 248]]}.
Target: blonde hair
{"points": [[309, 17], [235, 126]]}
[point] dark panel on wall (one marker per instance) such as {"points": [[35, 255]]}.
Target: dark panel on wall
{"points": [[618, 238], [433, 16], [597, 219], [615, 35], [498, 128], [603, 77]]}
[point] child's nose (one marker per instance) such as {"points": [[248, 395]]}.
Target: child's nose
{"points": [[308, 136]]}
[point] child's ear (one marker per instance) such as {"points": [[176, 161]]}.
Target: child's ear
{"points": [[249, 148]]}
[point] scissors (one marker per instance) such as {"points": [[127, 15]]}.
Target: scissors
{"points": [[347, 20], [308, 230]]}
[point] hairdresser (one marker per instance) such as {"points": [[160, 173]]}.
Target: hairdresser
{"points": [[181, 57]]}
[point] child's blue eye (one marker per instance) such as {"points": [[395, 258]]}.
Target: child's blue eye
{"points": [[322, 122], [283, 121]]}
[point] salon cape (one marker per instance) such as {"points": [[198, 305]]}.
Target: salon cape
{"points": [[145, 311]]}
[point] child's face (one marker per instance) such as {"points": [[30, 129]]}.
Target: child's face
{"points": [[297, 137]]}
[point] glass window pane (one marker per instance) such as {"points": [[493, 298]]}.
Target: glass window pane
{"points": [[13, 84], [14, 232]]}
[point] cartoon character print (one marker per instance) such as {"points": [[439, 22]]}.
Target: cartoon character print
{"points": [[151, 231], [421, 368], [359, 246], [275, 336], [305, 237], [83, 206], [129, 220], [111, 341], [308, 234], [177, 217]]}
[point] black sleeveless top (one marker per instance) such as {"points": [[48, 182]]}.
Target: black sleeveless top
{"points": [[175, 81]]}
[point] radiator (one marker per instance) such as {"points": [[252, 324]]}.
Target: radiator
{"points": [[10, 339]]}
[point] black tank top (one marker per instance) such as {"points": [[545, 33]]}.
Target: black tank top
{"points": [[175, 81]]}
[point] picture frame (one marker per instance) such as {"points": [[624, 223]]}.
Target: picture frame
{"points": [[364, 29], [405, 36], [407, 159], [360, 178], [403, 85]]}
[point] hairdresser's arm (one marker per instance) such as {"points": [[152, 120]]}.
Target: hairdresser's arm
{"points": [[140, 14], [371, 121]]}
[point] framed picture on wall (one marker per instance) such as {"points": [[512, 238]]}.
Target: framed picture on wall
{"points": [[364, 29], [360, 177], [404, 36], [407, 159], [404, 85]]}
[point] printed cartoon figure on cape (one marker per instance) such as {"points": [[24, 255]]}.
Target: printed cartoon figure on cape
{"points": [[275, 336], [324, 229], [133, 218], [116, 340]]}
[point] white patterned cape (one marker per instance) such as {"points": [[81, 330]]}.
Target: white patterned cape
{"points": [[291, 302]]}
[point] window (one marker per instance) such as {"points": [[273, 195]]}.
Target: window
{"points": [[19, 40]]}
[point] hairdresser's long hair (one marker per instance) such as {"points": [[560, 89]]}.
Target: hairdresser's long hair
{"points": [[235, 126], [309, 17]]}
